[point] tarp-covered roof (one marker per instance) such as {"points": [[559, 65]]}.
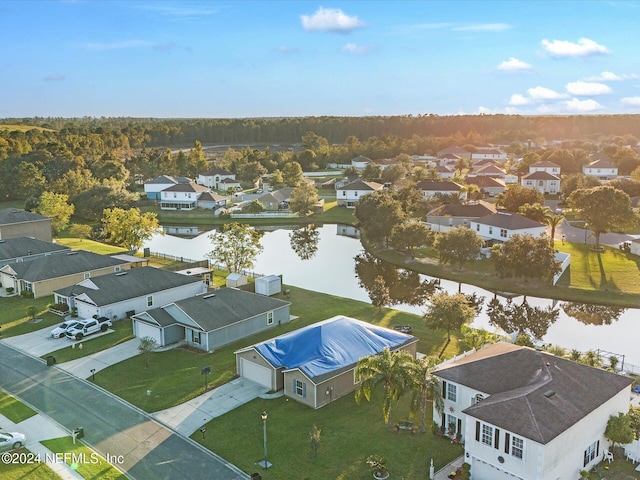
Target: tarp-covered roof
{"points": [[330, 345]]}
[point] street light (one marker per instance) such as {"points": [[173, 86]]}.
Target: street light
{"points": [[264, 463], [586, 226], [93, 374], [562, 239]]}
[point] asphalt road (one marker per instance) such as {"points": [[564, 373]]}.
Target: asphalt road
{"points": [[112, 427]]}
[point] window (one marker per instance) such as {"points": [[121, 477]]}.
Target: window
{"points": [[452, 392], [87, 275], [503, 232], [116, 269], [487, 435], [269, 318], [591, 453], [175, 195], [541, 183], [344, 193], [299, 388], [19, 260], [27, 286], [517, 447], [195, 337], [356, 194], [478, 398], [490, 230], [150, 301], [477, 227]]}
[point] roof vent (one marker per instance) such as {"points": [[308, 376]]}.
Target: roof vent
{"points": [[210, 295], [549, 393], [72, 253], [120, 274]]}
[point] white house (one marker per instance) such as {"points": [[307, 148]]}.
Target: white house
{"points": [[542, 181], [487, 170], [452, 215], [488, 185], [183, 196], [349, 194], [153, 187], [526, 414], [488, 153], [215, 178], [546, 166], [360, 162], [602, 168], [445, 172], [502, 226], [430, 188]]}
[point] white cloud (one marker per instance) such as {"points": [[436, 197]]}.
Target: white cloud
{"points": [[587, 89], [354, 48], [484, 110], [542, 94], [564, 48], [575, 105], [514, 65], [330, 20], [611, 77], [517, 100], [54, 77], [484, 27], [631, 101]]}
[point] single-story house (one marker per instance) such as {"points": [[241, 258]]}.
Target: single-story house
{"points": [[452, 215], [276, 200], [349, 194], [42, 276], [25, 249], [16, 223], [211, 201], [450, 160], [182, 196], [214, 177], [456, 151], [488, 170], [211, 320], [360, 162], [123, 294], [430, 188], [488, 185], [526, 414], [501, 226], [153, 187], [542, 181], [488, 153], [445, 172], [315, 364], [546, 166], [602, 167]]}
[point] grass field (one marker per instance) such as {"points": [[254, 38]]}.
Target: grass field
{"points": [[21, 128], [14, 319], [27, 471], [14, 409], [89, 245], [174, 376], [94, 465]]}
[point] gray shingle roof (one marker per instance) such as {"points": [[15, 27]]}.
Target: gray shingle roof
{"points": [[186, 187], [166, 179], [25, 246], [532, 394], [133, 283], [9, 216], [437, 186], [510, 221], [485, 181], [469, 210], [540, 176], [61, 265], [361, 185], [277, 196]]}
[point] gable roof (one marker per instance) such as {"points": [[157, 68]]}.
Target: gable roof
{"points": [[324, 347], [540, 176], [62, 265], [467, 210], [484, 181], [134, 283], [455, 150], [186, 187], [209, 196], [276, 196], [532, 394], [360, 159], [438, 186], [167, 179], [216, 171], [213, 311], [510, 221], [361, 185], [24, 246], [9, 216], [601, 163], [545, 164], [488, 169]]}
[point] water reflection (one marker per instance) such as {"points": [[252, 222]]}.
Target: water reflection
{"points": [[521, 319], [304, 241], [590, 314]]}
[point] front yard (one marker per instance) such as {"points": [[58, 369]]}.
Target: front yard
{"points": [[14, 319]]}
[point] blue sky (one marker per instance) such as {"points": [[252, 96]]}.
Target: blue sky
{"points": [[299, 58]]}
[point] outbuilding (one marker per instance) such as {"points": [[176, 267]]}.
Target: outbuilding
{"points": [[269, 285]]}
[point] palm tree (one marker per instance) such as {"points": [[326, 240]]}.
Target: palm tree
{"points": [[426, 388], [391, 369], [553, 220]]}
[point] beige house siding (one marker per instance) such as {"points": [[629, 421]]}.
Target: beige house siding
{"points": [[47, 287], [38, 229]]}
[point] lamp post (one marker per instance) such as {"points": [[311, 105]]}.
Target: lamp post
{"points": [[562, 239], [93, 374], [586, 226], [264, 463]]}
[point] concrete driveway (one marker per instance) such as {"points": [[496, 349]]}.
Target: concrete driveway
{"points": [[188, 417], [82, 366], [40, 342]]}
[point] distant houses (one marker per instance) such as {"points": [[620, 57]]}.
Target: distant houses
{"points": [[15, 223]]}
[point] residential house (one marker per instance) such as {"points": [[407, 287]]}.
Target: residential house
{"points": [[211, 201], [445, 172], [431, 188], [526, 414], [602, 168], [452, 215], [456, 151], [315, 364], [542, 181], [42, 276], [385, 162], [25, 249], [501, 226], [341, 182], [123, 294], [360, 162], [15, 223], [153, 187], [488, 153], [449, 160], [487, 185], [546, 166], [276, 200], [349, 194], [211, 320], [487, 170], [215, 178], [182, 196]]}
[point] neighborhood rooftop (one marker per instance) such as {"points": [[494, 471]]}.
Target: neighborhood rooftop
{"points": [[9, 216], [511, 221], [25, 246]]}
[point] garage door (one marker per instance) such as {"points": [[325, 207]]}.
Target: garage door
{"points": [[257, 373], [146, 330]]}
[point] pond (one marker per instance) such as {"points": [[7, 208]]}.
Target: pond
{"points": [[329, 267]]}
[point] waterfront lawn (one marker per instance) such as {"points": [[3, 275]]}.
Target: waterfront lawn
{"points": [[30, 471], [14, 319], [123, 331], [93, 466], [174, 376], [14, 409], [89, 245], [349, 434]]}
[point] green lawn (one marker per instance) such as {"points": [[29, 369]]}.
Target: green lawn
{"points": [[89, 245], [14, 319], [174, 376], [14, 409], [123, 332], [27, 471], [94, 467], [349, 434]]}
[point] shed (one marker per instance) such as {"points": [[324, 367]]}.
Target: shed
{"points": [[269, 285], [236, 280]]}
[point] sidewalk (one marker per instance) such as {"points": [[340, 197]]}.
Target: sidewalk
{"points": [[98, 361], [37, 429]]}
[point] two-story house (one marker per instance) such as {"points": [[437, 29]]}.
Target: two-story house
{"points": [[218, 179], [182, 196], [526, 414], [153, 187], [350, 193], [488, 153], [602, 168], [431, 188], [501, 226], [25, 249], [16, 223], [542, 181], [546, 166]]}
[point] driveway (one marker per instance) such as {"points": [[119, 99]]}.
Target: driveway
{"points": [[112, 426], [577, 235], [40, 342], [188, 417], [97, 361]]}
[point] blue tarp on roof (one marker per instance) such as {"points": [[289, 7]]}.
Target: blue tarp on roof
{"points": [[329, 345]]}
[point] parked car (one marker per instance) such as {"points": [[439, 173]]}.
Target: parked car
{"points": [[87, 327], [403, 328], [259, 190], [271, 188], [61, 329], [11, 441]]}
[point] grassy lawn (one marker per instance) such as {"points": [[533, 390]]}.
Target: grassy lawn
{"points": [[94, 465], [27, 471], [14, 319], [123, 331], [12, 204], [619, 469], [14, 409], [174, 376], [89, 245], [349, 434]]}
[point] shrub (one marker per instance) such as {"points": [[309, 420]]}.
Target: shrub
{"points": [[26, 294], [10, 289]]}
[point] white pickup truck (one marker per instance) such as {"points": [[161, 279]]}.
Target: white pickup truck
{"points": [[87, 327]]}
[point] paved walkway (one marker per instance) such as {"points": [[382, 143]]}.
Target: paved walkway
{"points": [[101, 360], [188, 417], [443, 473]]}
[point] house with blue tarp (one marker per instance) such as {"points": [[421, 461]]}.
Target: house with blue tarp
{"points": [[315, 364]]}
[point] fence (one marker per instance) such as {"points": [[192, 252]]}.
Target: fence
{"points": [[264, 215]]}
